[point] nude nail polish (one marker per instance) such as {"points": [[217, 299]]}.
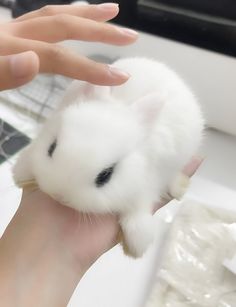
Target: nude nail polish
{"points": [[115, 72], [108, 6], [127, 31]]}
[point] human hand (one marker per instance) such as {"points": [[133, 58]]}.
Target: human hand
{"points": [[28, 44], [51, 245]]}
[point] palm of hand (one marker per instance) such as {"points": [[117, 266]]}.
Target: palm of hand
{"points": [[85, 237]]}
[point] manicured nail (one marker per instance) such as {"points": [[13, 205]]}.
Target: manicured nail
{"points": [[19, 64], [193, 165], [117, 73], [108, 6], [128, 32]]}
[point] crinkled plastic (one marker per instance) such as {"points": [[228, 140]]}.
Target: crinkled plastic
{"points": [[193, 271]]}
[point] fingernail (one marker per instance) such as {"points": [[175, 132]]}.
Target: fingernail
{"points": [[128, 32], [117, 73], [108, 6], [19, 64], [191, 168]]}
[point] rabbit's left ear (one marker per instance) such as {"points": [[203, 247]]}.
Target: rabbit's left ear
{"points": [[95, 91], [80, 90], [148, 108]]}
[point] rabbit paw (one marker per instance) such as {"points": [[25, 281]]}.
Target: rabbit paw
{"points": [[138, 234]]}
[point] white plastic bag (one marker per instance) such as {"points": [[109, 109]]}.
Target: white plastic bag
{"points": [[194, 270]]}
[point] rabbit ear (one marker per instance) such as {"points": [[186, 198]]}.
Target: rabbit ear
{"points": [[148, 108], [21, 170], [80, 90], [95, 91]]}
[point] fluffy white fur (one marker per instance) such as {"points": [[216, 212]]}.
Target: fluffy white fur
{"points": [[149, 128]]}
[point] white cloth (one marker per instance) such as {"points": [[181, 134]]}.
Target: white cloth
{"points": [[192, 273]]}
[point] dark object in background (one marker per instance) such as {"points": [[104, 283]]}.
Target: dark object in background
{"points": [[206, 23], [11, 141], [21, 7], [128, 11], [210, 24], [7, 3]]}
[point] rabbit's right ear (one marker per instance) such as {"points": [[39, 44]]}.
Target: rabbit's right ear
{"points": [[22, 169], [148, 108]]}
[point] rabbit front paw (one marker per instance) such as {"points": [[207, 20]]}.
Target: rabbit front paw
{"points": [[179, 186]]}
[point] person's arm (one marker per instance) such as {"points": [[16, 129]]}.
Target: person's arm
{"points": [[48, 247], [28, 44]]}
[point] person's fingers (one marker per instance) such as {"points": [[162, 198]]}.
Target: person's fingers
{"points": [[190, 169], [18, 69], [78, 67], [60, 60], [65, 27], [101, 12]]}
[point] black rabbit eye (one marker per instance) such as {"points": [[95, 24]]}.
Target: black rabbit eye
{"points": [[104, 177], [52, 148]]}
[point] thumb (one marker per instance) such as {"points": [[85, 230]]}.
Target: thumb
{"points": [[18, 69]]}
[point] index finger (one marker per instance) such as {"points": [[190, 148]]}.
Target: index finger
{"points": [[60, 60]]}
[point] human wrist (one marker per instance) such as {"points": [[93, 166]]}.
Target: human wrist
{"points": [[36, 268], [41, 283]]}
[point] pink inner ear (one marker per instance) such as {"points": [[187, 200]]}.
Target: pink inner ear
{"points": [[95, 91], [88, 90], [149, 107]]}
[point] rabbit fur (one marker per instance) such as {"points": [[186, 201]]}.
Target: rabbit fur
{"points": [[117, 149]]}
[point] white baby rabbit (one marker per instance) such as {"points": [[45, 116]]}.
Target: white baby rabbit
{"points": [[117, 149]]}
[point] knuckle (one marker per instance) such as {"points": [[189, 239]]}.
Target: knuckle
{"points": [[9, 44], [63, 23], [48, 10], [57, 53], [61, 19], [99, 33], [106, 32]]}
